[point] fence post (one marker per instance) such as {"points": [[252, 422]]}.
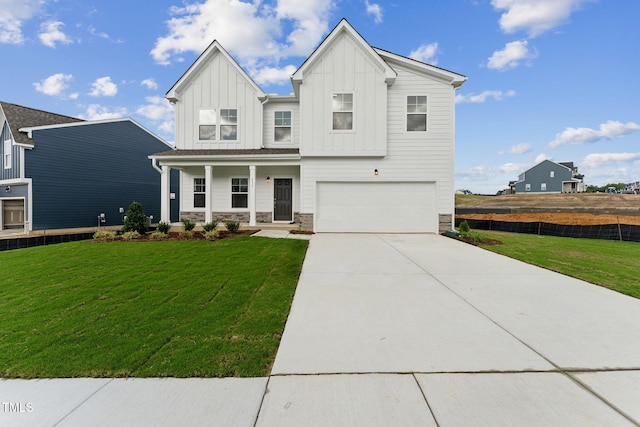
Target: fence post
{"points": [[619, 229]]}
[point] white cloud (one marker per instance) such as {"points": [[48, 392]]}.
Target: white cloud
{"points": [[271, 75], [522, 148], [579, 136], [12, 15], [103, 86], [159, 110], [149, 84], [511, 168], [511, 56], [99, 112], [542, 157], [426, 53], [534, 16], [54, 85], [599, 159], [50, 34], [480, 98], [375, 10]]}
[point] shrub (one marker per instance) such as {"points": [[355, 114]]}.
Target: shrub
{"points": [[105, 235], [210, 225], [164, 227], [130, 235], [135, 219], [157, 235], [187, 224], [464, 228], [232, 226], [186, 234], [211, 235]]}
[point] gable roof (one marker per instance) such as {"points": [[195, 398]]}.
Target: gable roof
{"points": [[214, 48], [456, 80], [343, 27], [19, 117]]}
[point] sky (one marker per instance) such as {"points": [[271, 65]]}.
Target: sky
{"points": [[547, 79]]}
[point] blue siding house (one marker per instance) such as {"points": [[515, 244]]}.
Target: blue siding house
{"points": [[60, 172], [550, 177]]}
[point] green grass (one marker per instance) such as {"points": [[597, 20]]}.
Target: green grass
{"points": [[608, 263], [172, 308]]}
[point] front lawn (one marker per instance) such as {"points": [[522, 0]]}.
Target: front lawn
{"points": [[146, 309], [608, 263]]}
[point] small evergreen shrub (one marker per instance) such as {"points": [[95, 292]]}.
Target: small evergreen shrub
{"points": [[163, 227], [157, 235], [135, 219], [210, 225], [211, 235], [464, 228], [232, 226], [130, 235], [105, 235], [187, 224], [186, 234]]}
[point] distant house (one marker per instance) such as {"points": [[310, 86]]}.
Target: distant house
{"points": [[62, 172], [364, 144], [550, 177]]}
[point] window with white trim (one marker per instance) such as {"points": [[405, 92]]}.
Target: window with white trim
{"points": [[282, 126], [199, 188], [416, 113], [228, 124], [552, 174], [207, 125], [7, 154], [543, 186], [342, 111], [239, 192], [527, 187]]}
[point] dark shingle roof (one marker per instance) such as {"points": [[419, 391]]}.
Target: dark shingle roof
{"points": [[250, 152], [19, 117]]}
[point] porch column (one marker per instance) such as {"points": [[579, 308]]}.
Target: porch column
{"points": [[208, 193], [252, 195], [165, 200]]}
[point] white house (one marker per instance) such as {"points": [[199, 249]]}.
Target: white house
{"points": [[364, 144]]}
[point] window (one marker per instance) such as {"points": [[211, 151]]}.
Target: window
{"points": [[416, 113], [342, 111], [7, 154], [229, 125], [552, 174], [543, 186], [207, 128], [198, 192], [239, 193], [527, 187], [282, 126]]}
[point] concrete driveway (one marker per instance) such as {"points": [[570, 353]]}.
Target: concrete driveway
{"points": [[389, 330], [419, 329]]}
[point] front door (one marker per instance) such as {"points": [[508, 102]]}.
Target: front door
{"points": [[282, 195]]}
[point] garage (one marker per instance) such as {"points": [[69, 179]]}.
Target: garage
{"points": [[382, 207]]}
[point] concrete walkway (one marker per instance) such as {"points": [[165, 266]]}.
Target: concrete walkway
{"points": [[397, 330]]}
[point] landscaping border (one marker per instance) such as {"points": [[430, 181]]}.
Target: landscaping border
{"points": [[31, 241]]}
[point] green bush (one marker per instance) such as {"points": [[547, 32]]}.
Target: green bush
{"points": [[130, 235], [232, 226], [464, 228], [187, 224], [211, 235], [105, 235], [186, 235], [164, 227], [135, 219], [210, 225], [157, 235]]}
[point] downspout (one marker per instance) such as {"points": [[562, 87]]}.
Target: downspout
{"points": [[155, 166]]}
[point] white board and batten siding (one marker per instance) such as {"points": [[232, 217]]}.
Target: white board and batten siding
{"points": [[269, 123], [218, 85]]}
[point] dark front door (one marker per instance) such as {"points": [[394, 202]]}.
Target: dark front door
{"points": [[282, 205]]}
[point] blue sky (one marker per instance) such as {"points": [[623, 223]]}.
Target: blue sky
{"points": [[547, 79]]}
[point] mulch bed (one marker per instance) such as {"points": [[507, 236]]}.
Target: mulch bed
{"points": [[469, 240]]}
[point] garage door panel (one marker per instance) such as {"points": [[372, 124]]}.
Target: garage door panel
{"points": [[376, 207]]}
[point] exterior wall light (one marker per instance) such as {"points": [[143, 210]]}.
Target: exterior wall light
{"points": [[268, 179], [375, 172]]}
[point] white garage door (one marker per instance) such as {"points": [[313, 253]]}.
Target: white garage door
{"points": [[391, 207]]}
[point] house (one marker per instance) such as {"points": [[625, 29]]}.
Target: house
{"points": [[365, 143], [551, 177], [61, 172]]}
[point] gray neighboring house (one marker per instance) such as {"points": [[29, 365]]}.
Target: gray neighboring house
{"points": [[550, 177], [61, 172]]}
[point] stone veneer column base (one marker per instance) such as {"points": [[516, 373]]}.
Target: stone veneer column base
{"points": [[305, 220], [445, 222]]}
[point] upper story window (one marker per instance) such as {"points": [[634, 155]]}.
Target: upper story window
{"points": [[416, 113], [207, 125], [282, 126], [552, 174], [229, 124], [239, 192], [199, 187], [543, 186], [342, 111], [7, 154]]}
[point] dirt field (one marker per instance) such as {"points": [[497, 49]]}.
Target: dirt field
{"points": [[538, 201]]}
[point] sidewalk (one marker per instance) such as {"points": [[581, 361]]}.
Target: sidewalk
{"points": [[397, 330]]}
